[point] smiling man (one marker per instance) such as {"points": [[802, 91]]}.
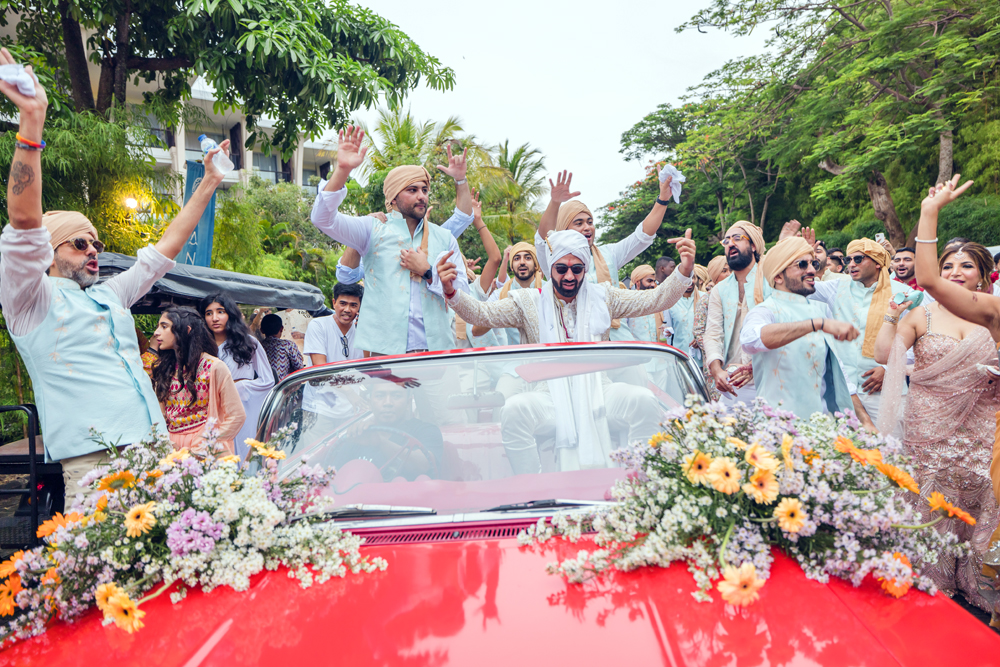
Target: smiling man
{"points": [[77, 338], [789, 338], [526, 273]]}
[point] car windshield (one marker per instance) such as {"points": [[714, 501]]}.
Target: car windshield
{"points": [[469, 431]]}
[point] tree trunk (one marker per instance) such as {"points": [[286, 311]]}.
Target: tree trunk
{"points": [[122, 52], [946, 157], [885, 208], [105, 87], [76, 60]]}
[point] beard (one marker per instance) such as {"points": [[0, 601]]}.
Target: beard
{"points": [[564, 293], [799, 287], [78, 273], [523, 271], [905, 274], [740, 261], [415, 212]]}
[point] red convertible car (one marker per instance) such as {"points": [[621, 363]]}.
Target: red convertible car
{"points": [[442, 458]]}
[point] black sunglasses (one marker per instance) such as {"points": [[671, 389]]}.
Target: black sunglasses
{"points": [[344, 346], [803, 263], [577, 269], [82, 243], [857, 259]]}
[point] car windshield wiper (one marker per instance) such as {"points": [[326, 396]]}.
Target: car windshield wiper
{"points": [[545, 504], [369, 511]]}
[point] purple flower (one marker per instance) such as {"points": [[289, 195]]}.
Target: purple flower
{"points": [[193, 531]]}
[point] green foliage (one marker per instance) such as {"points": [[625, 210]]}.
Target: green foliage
{"points": [[15, 387]]}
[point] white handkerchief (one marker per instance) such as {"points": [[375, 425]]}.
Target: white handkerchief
{"points": [[16, 75], [675, 185]]}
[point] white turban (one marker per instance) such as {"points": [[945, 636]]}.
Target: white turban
{"points": [[568, 242]]}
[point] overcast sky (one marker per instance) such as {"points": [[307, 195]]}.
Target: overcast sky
{"points": [[564, 77]]}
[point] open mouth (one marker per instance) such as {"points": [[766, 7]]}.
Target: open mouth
{"points": [[93, 266]]}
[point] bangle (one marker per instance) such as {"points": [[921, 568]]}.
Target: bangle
{"points": [[660, 201], [933, 240], [461, 181], [822, 323], [890, 319], [448, 295], [812, 323], [35, 144], [26, 147]]}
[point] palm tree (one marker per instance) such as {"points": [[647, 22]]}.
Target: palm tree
{"points": [[512, 199]]}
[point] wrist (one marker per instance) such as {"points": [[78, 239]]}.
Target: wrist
{"points": [[31, 127]]}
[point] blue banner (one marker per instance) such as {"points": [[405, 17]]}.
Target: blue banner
{"points": [[198, 249]]}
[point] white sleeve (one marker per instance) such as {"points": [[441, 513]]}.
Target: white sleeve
{"points": [[347, 229], [628, 248], [315, 342], [458, 223], [25, 291], [712, 340], [262, 368], [132, 284], [757, 318], [349, 276], [461, 280], [826, 292], [542, 252]]}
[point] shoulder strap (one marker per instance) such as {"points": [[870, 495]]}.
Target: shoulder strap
{"points": [[927, 312]]}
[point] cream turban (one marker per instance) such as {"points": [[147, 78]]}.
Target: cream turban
{"points": [[568, 242], [640, 272], [755, 233], [567, 213], [715, 268], [67, 225], [702, 273], [777, 260], [518, 248], [882, 294], [401, 178]]}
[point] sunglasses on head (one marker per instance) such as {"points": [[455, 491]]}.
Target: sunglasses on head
{"points": [[804, 263], [857, 259], [577, 269], [82, 243]]}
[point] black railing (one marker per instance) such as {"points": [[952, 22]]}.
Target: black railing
{"points": [[17, 534]]}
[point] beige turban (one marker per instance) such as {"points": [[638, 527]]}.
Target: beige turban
{"points": [[640, 272], [777, 260], [67, 225], [715, 268], [882, 294], [519, 248], [702, 273], [755, 233], [398, 180], [569, 211]]}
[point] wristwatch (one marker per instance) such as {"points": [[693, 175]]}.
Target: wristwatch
{"points": [[428, 275], [660, 201]]}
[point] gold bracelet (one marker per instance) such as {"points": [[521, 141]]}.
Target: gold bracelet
{"points": [[890, 319]]}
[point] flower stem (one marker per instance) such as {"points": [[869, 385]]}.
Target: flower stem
{"points": [[923, 525], [158, 593], [756, 520], [725, 542], [862, 492]]}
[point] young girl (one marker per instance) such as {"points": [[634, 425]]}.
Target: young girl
{"points": [[245, 357], [192, 384]]}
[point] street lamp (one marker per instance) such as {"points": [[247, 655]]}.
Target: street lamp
{"points": [[131, 202]]}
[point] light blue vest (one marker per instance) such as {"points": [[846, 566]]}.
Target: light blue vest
{"points": [[84, 363], [644, 328], [682, 316], [381, 328], [804, 374], [729, 295]]}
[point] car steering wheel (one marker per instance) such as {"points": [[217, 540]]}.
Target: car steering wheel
{"points": [[411, 442]]}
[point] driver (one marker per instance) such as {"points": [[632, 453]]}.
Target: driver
{"points": [[396, 441]]}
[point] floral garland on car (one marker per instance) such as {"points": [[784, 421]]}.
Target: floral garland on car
{"points": [[719, 488], [161, 516]]}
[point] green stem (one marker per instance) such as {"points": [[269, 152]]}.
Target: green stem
{"points": [[923, 525], [138, 584], [862, 492], [725, 542], [158, 593], [755, 519]]}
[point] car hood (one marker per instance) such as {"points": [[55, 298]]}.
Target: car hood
{"points": [[491, 602]]}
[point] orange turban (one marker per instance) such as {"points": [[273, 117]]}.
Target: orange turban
{"points": [[755, 233], [401, 178], [715, 267], [569, 211], [640, 272], [882, 294], [519, 248], [777, 259], [67, 225]]}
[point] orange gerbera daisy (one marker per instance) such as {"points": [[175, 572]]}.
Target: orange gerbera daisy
{"points": [[724, 475], [696, 467], [140, 519], [896, 588], [51, 575], [899, 476], [763, 487], [8, 595], [842, 444], [124, 612], [790, 514], [739, 586], [102, 504], [152, 475], [737, 443], [116, 481], [938, 502], [809, 455], [57, 522], [760, 458], [8, 567], [104, 592], [786, 451], [866, 456]]}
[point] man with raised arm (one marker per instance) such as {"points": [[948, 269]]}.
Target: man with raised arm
{"points": [[404, 308], [525, 274], [77, 338], [569, 308], [791, 338]]}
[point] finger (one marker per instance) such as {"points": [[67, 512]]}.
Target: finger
{"points": [[448, 151], [465, 154], [687, 233], [574, 194], [965, 186]]}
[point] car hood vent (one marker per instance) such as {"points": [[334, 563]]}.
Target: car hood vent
{"points": [[452, 533]]}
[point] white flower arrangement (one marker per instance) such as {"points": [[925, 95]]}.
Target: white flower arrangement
{"points": [[719, 488], [173, 519]]}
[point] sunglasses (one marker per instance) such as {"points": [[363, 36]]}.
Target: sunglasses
{"points": [[734, 238], [804, 263], [81, 244], [345, 347], [857, 259], [837, 258], [577, 269]]}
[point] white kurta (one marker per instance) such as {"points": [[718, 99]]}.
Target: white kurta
{"points": [[253, 381]]}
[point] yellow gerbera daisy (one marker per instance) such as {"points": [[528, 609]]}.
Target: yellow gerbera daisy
{"points": [[737, 443], [763, 487], [255, 444], [174, 457], [724, 475], [124, 612], [696, 467], [116, 481], [786, 451], [231, 458], [659, 439], [140, 519], [271, 453], [900, 477], [760, 458], [740, 586], [105, 591], [790, 514]]}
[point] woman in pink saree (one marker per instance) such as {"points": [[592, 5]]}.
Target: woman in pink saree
{"points": [[949, 414]]}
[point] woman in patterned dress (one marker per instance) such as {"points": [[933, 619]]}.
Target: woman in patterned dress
{"points": [[717, 269], [193, 385]]}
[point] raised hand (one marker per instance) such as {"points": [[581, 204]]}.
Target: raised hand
{"points": [[28, 106], [212, 171], [942, 194], [477, 206], [665, 193], [789, 229], [809, 234], [472, 265], [378, 215], [686, 249], [559, 191], [350, 153], [456, 164], [447, 273]]}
